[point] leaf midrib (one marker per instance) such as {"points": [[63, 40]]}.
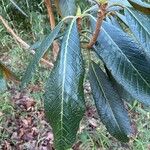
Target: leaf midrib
{"points": [[64, 75]]}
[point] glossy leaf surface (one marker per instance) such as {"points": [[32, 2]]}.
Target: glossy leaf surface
{"points": [[45, 44], [64, 97], [109, 105], [117, 53], [139, 25]]}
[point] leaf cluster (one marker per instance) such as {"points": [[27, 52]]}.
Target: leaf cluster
{"points": [[124, 55]]}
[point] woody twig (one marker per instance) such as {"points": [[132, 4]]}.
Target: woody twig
{"points": [[100, 16], [52, 25]]}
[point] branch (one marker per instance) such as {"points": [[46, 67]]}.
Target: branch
{"points": [[50, 13], [52, 25], [101, 15], [21, 42]]}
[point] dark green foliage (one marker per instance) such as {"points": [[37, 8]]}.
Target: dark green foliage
{"points": [[117, 60], [109, 104], [64, 98], [127, 70]]}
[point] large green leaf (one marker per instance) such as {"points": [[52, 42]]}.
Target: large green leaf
{"points": [[67, 7], [131, 49], [141, 6], [117, 53], [133, 52], [139, 25], [109, 105], [45, 44], [64, 97]]}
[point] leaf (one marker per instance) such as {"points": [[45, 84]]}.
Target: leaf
{"points": [[124, 58], [139, 25], [17, 7], [112, 20], [122, 18], [36, 45], [45, 44], [131, 49], [8, 74], [120, 90], [94, 9], [120, 2], [141, 6], [2, 81], [109, 105], [64, 97], [66, 7]]}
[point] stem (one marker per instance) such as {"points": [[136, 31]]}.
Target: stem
{"points": [[52, 24], [101, 15], [50, 13], [79, 23]]}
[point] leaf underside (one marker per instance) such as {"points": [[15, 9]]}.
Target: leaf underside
{"points": [[109, 105], [64, 97], [117, 50]]}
